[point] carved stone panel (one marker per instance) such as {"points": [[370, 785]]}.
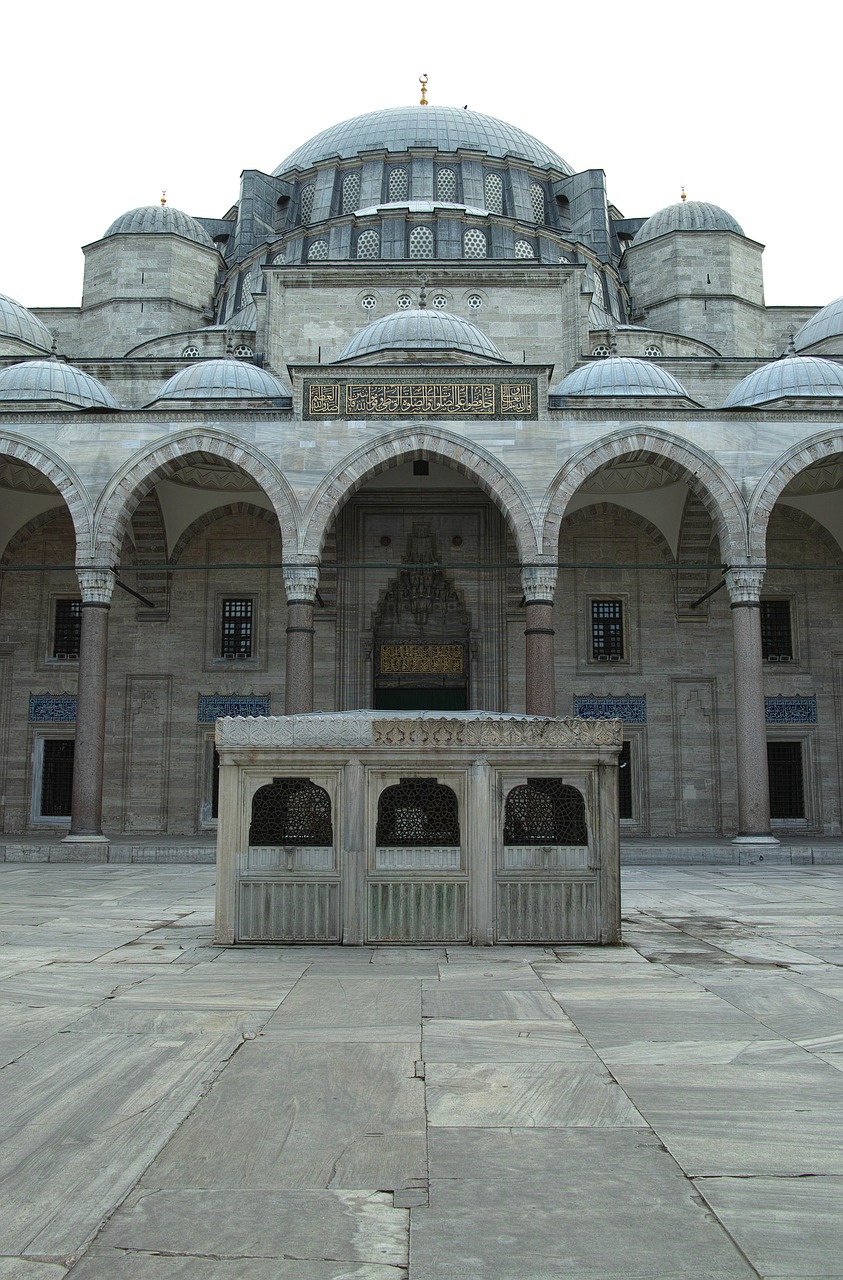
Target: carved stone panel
{"points": [[146, 768], [696, 763]]}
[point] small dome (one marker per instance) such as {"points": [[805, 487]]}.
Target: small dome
{"points": [[152, 218], [223, 380], [17, 322], [50, 380], [421, 330], [827, 323], [792, 377], [620, 376], [687, 215], [444, 128]]}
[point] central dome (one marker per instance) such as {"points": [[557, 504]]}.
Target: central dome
{"points": [[444, 128]]}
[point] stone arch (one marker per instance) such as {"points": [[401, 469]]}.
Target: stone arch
{"points": [[218, 513], [614, 509], [470, 460], [141, 472], [716, 489], [73, 493], [28, 530], [776, 479], [811, 526]]}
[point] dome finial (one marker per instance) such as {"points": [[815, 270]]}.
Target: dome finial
{"points": [[423, 294], [791, 346], [423, 83], [684, 197], [163, 198]]}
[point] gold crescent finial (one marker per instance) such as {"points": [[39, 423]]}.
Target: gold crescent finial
{"points": [[684, 197], [163, 198], [423, 83]]}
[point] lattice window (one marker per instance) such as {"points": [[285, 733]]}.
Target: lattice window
{"points": [[599, 292], [56, 777], [601, 350], [318, 251], [607, 629], [652, 351], [475, 302], [191, 353], [537, 202], [246, 289], [787, 785], [404, 302], [493, 193], [242, 352], [625, 782], [398, 187], [776, 631], [291, 811], [545, 811], [523, 249], [306, 202], [421, 242], [67, 630], [474, 244], [368, 244], [439, 302], [236, 629], [279, 257], [420, 811], [351, 192], [369, 302], [446, 185]]}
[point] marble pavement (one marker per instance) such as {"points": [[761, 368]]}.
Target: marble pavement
{"points": [[669, 1109]]}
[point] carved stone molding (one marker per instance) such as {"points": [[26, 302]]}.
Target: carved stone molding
{"points": [[96, 585], [538, 582], [301, 582], [744, 584]]}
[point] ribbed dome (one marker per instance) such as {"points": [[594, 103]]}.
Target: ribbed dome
{"points": [[223, 380], [620, 376], [794, 376], [687, 215], [421, 330], [35, 380], [17, 322], [152, 218], [827, 323], [445, 128]]}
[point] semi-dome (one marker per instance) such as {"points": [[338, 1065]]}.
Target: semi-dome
{"points": [[17, 322], [421, 330], [793, 377], [827, 323], [444, 128], [620, 376], [223, 380], [50, 380], [152, 218], [687, 215]]}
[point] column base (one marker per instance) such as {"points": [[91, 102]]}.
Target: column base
{"points": [[768, 840], [84, 838]]}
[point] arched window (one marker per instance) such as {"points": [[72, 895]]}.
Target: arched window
{"points": [[545, 811], [351, 192], [242, 352], [537, 202], [398, 187], [291, 811], [318, 251], [474, 243], [599, 291], [419, 811], [446, 185], [493, 192], [652, 351], [523, 249], [191, 353], [306, 203], [601, 350], [246, 289], [368, 244], [421, 242]]}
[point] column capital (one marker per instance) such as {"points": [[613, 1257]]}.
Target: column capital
{"points": [[301, 582], [538, 582], [96, 585], [743, 582]]}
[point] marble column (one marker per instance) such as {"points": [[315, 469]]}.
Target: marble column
{"points": [[538, 582], [744, 586], [301, 582], [96, 587]]}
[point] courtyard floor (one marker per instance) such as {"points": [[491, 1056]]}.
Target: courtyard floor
{"points": [[669, 1109]]}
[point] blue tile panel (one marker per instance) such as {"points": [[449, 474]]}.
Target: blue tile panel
{"points": [[212, 706], [52, 707], [781, 710], [632, 709]]}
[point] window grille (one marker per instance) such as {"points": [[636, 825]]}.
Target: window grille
{"points": [[67, 630], [475, 302], [57, 777], [625, 782], [474, 244], [236, 630], [318, 251], [776, 634], [399, 185], [537, 202], [446, 185], [607, 629], [306, 202], [404, 302], [421, 242], [368, 244], [439, 302], [291, 811], [493, 193], [350, 192], [652, 351], [242, 352], [523, 249], [419, 811], [787, 788], [369, 302], [545, 811], [601, 350], [599, 292], [246, 289], [190, 353]]}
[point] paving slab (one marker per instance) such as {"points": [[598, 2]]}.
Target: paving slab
{"points": [[353, 1001], [535, 1095], [509, 1040], [495, 1004]]}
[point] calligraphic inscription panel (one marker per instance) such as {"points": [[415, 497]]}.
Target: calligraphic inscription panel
{"points": [[421, 659], [463, 399]]}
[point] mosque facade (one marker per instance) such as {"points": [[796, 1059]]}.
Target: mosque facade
{"points": [[422, 422]]}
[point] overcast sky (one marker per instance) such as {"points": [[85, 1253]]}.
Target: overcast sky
{"points": [[105, 105]]}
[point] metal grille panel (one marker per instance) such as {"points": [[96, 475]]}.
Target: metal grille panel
{"points": [[419, 811], [281, 911], [547, 911], [787, 786], [68, 629], [57, 777], [545, 811], [776, 635], [418, 911], [291, 811]]}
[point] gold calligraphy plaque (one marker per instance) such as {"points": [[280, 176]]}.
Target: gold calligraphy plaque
{"points": [[323, 400], [421, 659], [517, 397], [410, 399]]}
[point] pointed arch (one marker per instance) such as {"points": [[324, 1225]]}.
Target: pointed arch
{"points": [[73, 493], [776, 479], [211, 517], [409, 444], [615, 511]]}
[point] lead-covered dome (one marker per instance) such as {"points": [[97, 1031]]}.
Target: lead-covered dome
{"points": [[687, 215], [421, 330], [51, 381], [620, 376], [443, 128], [827, 323], [150, 219], [18, 323], [223, 380], [794, 377]]}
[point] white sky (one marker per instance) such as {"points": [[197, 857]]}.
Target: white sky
{"points": [[106, 104]]}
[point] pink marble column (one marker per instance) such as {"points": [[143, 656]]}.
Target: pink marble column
{"points": [[96, 587], [301, 582], [744, 586], [538, 582]]}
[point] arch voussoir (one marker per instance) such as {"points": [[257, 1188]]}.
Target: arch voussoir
{"points": [[778, 476], [71, 489]]}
